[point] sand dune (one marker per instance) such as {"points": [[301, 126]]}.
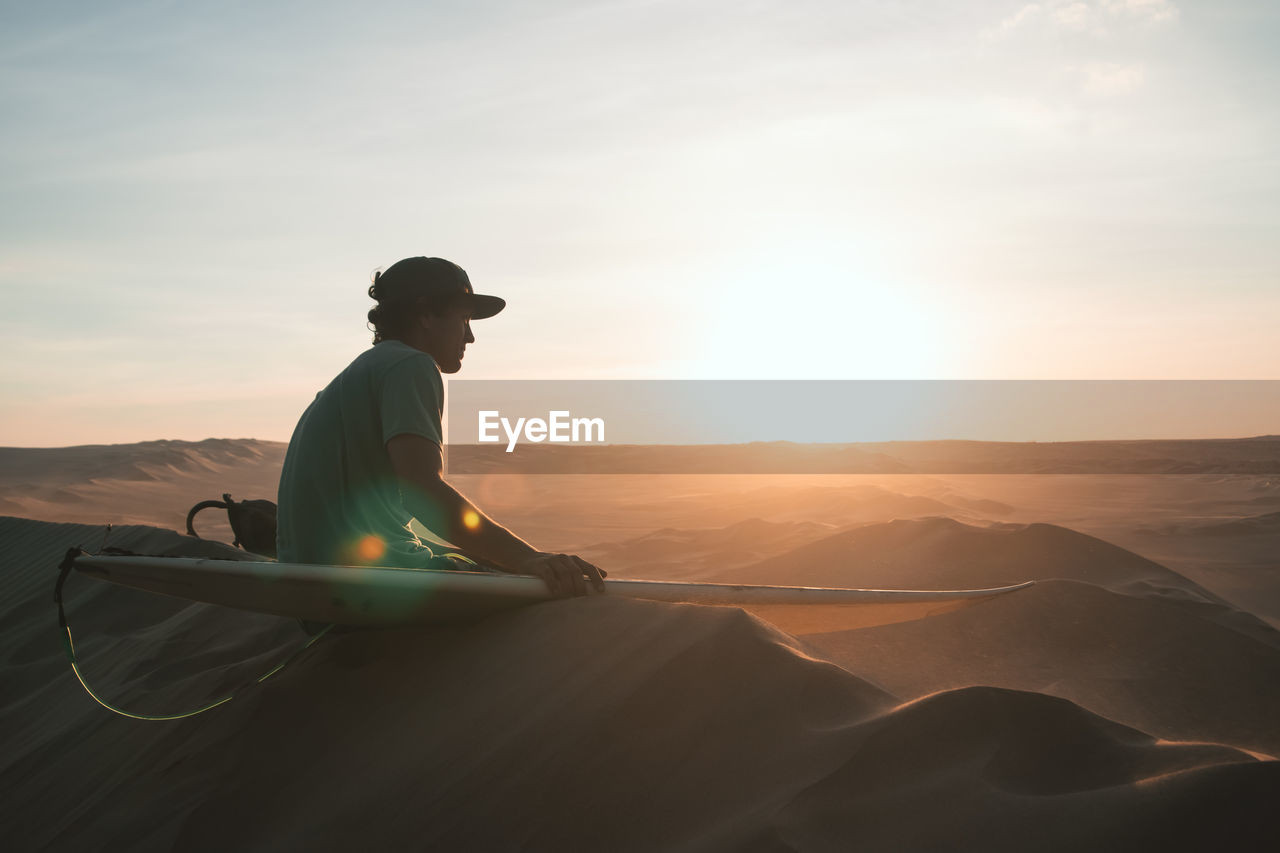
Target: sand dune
{"points": [[1120, 704], [145, 461], [586, 724], [1237, 555], [1258, 455], [943, 553], [1176, 669], [974, 763], [842, 504], [1254, 525], [153, 482], [682, 553]]}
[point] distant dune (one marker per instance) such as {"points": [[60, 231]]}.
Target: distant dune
{"points": [[831, 502], [1267, 524], [150, 482], [675, 553], [1260, 455], [145, 461], [943, 553]]}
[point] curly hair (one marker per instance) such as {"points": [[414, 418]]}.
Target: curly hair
{"points": [[395, 312]]}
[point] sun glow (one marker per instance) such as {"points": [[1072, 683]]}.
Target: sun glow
{"points": [[808, 309]]}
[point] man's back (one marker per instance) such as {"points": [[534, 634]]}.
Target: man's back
{"points": [[339, 496]]}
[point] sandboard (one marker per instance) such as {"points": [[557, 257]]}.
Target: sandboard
{"points": [[346, 595]]}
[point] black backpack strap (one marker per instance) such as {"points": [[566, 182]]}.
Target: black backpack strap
{"points": [[191, 531]]}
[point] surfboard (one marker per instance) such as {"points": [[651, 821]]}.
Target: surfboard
{"points": [[348, 595]]}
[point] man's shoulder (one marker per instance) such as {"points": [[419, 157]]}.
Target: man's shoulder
{"points": [[396, 365], [383, 356]]}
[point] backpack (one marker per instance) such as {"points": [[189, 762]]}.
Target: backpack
{"points": [[253, 522]]}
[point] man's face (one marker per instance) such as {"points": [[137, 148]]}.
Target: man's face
{"points": [[447, 337]]}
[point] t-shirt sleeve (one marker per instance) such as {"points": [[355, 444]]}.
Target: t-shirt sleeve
{"points": [[413, 400]]}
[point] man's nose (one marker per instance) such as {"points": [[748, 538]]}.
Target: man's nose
{"points": [[471, 339]]}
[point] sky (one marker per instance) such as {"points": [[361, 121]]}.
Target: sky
{"points": [[195, 195]]}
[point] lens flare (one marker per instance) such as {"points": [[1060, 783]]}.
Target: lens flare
{"points": [[471, 519], [371, 548]]}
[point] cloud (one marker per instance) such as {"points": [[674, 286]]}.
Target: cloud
{"points": [[1109, 79], [1146, 11], [1075, 16], [1093, 17], [1016, 20]]}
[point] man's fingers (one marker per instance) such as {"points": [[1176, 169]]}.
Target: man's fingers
{"points": [[560, 576], [577, 585], [565, 578], [551, 577], [568, 578], [592, 573], [587, 573]]}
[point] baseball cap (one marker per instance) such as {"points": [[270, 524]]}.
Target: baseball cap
{"points": [[436, 279]]}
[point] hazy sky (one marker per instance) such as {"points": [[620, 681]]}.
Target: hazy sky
{"points": [[195, 194]]}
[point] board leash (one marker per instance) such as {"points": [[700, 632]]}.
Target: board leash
{"points": [[64, 569]]}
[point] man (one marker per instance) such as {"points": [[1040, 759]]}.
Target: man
{"points": [[367, 454]]}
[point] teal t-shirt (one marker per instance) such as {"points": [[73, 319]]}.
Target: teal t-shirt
{"points": [[339, 498]]}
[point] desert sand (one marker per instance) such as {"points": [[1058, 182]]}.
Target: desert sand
{"points": [[1127, 701]]}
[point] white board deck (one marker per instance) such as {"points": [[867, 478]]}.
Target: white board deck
{"points": [[346, 595]]}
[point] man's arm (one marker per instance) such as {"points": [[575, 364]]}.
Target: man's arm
{"points": [[419, 465]]}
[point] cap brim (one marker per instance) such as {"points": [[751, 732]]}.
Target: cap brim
{"points": [[483, 306]]}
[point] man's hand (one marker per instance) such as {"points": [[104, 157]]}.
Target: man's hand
{"points": [[565, 575], [419, 464]]}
